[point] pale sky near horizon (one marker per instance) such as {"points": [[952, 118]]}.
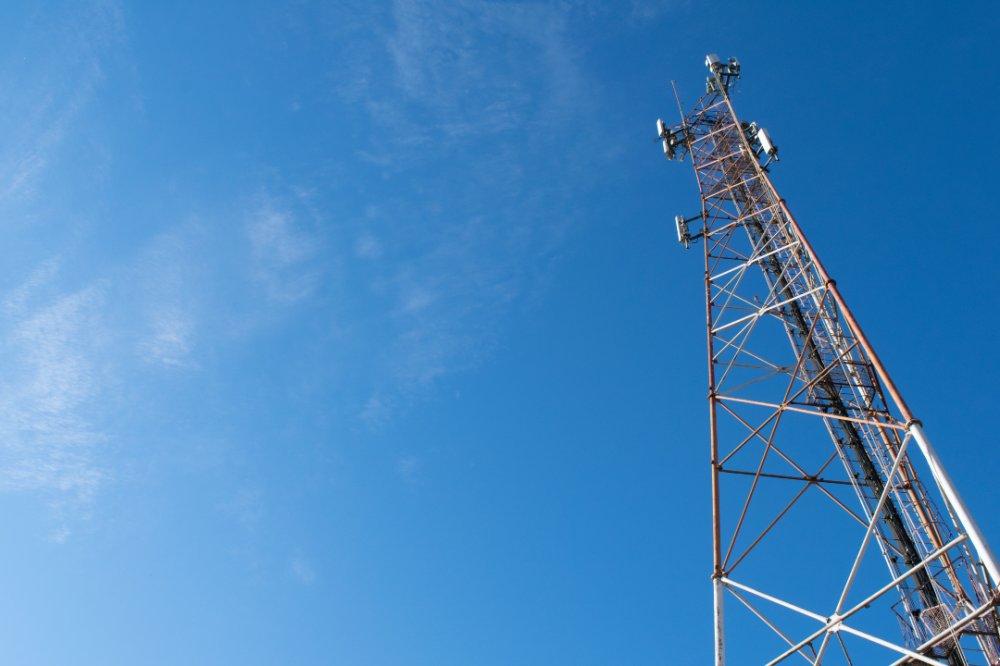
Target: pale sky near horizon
{"points": [[350, 333]]}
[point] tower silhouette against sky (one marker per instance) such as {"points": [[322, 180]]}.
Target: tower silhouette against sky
{"points": [[822, 526]]}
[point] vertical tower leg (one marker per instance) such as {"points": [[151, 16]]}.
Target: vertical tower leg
{"points": [[948, 489], [720, 636]]}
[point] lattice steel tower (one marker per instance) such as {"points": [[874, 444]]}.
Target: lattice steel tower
{"points": [[788, 362]]}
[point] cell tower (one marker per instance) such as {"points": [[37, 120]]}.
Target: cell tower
{"points": [[788, 362]]}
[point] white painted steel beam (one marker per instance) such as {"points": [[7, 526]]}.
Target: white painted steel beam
{"points": [[780, 602], [720, 634], [891, 646], [948, 489]]}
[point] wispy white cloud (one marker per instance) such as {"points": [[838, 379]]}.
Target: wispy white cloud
{"points": [[16, 300], [407, 467], [53, 69], [468, 98], [376, 411], [451, 302], [466, 69], [283, 249], [54, 340], [649, 10], [247, 507], [47, 397], [169, 342], [302, 569], [60, 534], [167, 294], [442, 262], [368, 247]]}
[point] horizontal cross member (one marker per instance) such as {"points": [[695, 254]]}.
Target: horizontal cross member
{"points": [[812, 412], [782, 476]]}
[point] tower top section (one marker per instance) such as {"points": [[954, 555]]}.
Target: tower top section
{"points": [[677, 139], [723, 74]]}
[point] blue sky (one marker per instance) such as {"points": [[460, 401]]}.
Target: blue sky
{"points": [[347, 334]]}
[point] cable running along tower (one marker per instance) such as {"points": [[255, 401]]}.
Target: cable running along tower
{"points": [[788, 361]]}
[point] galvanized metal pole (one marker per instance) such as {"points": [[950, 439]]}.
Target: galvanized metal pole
{"points": [[720, 634], [948, 489]]}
